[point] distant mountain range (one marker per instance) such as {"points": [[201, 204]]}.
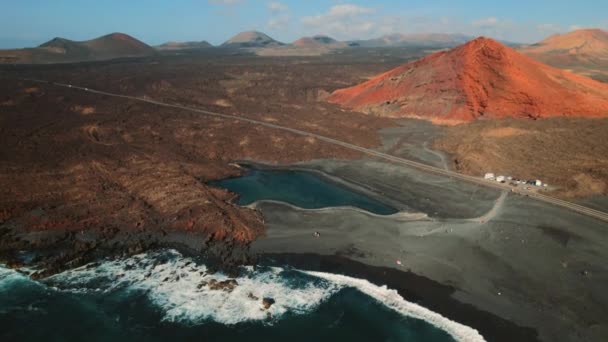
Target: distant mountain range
{"points": [[321, 44], [318, 41], [251, 39], [419, 39], [61, 50], [184, 46], [580, 51], [119, 45], [306, 46], [256, 39]]}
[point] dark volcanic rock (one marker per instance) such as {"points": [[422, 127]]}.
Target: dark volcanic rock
{"points": [[224, 285], [86, 176], [267, 303]]}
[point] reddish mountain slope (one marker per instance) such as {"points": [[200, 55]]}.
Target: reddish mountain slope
{"points": [[580, 42], [583, 51], [480, 79]]}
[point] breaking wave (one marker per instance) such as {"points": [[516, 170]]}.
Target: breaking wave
{"points": [[393, 300], [9, 277], [177, 286]]}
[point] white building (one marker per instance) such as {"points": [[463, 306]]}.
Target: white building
{"points": [[489, 176], [500, 178], [538, 183]]}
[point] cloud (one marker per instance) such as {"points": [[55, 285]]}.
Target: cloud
{"points": [[486, 22], [279, 16], [277, 7], [345, 10], [513, 31], [549, 28], [575, 27], [278, 22], [227, 8], [350, 21], [344, 21]]}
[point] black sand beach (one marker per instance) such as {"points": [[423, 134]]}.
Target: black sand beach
{"points": [[415, 288], [495, 252]]}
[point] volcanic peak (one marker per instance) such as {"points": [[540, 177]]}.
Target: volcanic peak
{"points": [[482, 78]]}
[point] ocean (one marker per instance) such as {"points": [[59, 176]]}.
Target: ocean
{"points": [[164, 295]]}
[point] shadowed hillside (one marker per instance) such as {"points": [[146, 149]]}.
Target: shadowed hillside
{"points": [[61, 50]]}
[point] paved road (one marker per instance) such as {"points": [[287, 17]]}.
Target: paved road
{"points": [[555, 201]]}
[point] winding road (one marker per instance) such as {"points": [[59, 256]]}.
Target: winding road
{"points": [[398, 160]]}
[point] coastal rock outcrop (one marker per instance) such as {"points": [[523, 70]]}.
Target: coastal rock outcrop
{"points": [[224, 285], [267, 302]]}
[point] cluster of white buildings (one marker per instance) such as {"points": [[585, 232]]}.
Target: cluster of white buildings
{"points": [[513, 181]]}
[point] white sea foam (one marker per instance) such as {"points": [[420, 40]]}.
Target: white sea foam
{"points": [[174, 287], [393, 300], [9, 277]]}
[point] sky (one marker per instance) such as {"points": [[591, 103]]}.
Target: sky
{"points": [[26, 23]]}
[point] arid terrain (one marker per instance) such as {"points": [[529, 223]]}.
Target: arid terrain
{"points": [[566, 153], [487, 84], [108, 173], [582, 51], [284, 170], [80, 166], [85, 175]]}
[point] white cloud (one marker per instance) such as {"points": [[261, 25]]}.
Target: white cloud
{"points": [[279, 16], [279, 22], [345, 21], [345, 10], [491, 26], [575, 27], [277, 7], [549, 28], [486, 22]]}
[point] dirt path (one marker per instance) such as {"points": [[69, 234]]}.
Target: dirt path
{"points": [[494, 211], [441, 156]]}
